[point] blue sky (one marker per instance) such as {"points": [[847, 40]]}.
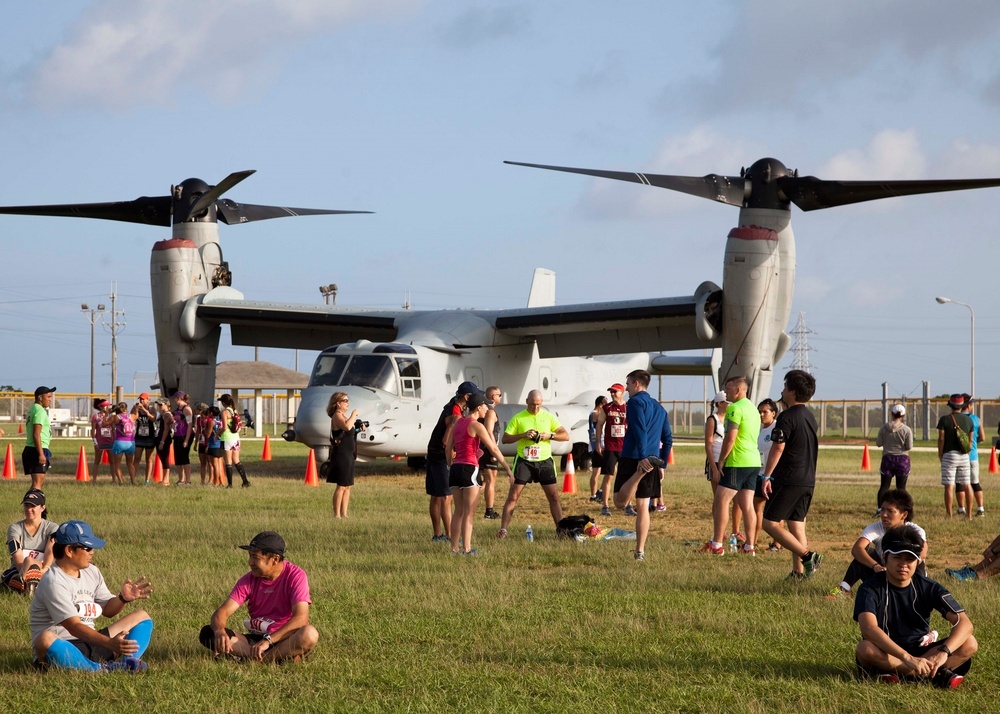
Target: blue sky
{"points": [[409, 107]]}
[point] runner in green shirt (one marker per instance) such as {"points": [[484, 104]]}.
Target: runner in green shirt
{"points": [[36, 457]]}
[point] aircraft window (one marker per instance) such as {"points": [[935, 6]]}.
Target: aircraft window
{"points": [[371, 371], [409, 376], [545, 382], [394, 347], [327, 371]]}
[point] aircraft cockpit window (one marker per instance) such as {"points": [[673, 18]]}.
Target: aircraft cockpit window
{"points": [[394, 347], [327, 371], [409, 376], [371, 371]]}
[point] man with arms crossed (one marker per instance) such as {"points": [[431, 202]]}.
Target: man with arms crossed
{"points": [[790, 473], [739, 463], [277, 596], [648, 436], [534, 430]]}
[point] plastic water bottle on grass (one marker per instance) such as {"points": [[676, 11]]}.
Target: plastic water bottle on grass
{"points": [[529, 534], [734, 544]]}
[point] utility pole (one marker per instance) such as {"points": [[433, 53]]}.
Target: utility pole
{"points": [[116, 325], [99, 311]]}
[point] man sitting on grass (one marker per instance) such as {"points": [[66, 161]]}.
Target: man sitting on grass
{"points": [[71, 595], [277, 596], [985, 568], [893, 609]]}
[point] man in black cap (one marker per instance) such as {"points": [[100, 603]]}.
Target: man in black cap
{"points": [[277, 596], [893, 609], [36, 457], [436, 481]]}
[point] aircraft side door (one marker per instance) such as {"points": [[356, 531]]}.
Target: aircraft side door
{"points": [[545, 383], [475, 375]]}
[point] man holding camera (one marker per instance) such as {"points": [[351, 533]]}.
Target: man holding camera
{"points": [[533, 429]]}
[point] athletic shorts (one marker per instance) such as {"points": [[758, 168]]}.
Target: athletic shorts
{"points": [[596, 461], [216, 452], [122, 446], [488, 461], [740, 478], [207, 637], [647, 487], [101, 447], [955, 469], [437, 478], [788, 503], [541, 472], [182, 453], [758, 490], [974, 472], [610, 460], [95, 653], [465, 476], [29, 460], [202, 449], [231, 445], [894, 466]]}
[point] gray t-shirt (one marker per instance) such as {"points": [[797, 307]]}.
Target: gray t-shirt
{"points": [[31, 546], [895, 438], [60, 597]]}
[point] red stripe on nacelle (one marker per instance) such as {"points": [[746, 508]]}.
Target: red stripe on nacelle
{"points": [[174, 243], [753, 233]]}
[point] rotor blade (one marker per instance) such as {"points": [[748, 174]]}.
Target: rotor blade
{"points": [[724, 189], [230, 212], [152, 211], [810, 193], [213, 194]]}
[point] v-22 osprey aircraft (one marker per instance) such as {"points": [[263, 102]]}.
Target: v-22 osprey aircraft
{"points": [[400, 367]]}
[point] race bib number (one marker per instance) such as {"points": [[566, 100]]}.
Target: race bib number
{"points": [[258, 625], [37, 555], [533, 453], [88, 611], [143, 430], [617, 431], [106, 432]]}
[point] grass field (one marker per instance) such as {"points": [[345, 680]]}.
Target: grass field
{"points": [[553, 625]]}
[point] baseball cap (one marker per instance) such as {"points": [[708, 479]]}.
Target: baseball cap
{"points": [[467, 388], [476, 401], [104, 403], [144, 395], [266, 542], [34, 497], [43, 390], [77, 533], [897, 543], [720, 397], [899, 410], [616, 387], [956, 400]]}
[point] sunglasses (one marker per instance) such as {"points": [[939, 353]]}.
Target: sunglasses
{"points": [[84, 548]]}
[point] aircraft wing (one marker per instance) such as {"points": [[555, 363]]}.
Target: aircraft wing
{"points": [[654, 325], [309, 327]]}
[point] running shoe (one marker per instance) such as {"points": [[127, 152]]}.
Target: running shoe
{"points": [[946, 679], [774, 547], [962, 574], [961, 511], [748, 550], [980, 512], [491, 514], [595, 498], [812, 563], [740, 537], [638, 555], [661, 507], [837, 593], [600, 494], [440, 539], [605, 511], [794, 577], [470, 552], [501, 534], [888, 678], [710, 549], [131, 665], [630, 510]]}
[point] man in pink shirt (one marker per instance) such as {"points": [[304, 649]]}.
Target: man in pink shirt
{"points": [[277, 596]]}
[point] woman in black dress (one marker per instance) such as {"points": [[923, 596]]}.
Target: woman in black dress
{"points": [[343, 451]]}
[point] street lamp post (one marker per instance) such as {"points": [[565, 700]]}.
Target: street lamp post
{"points": [[972, 314], [93, 313]]}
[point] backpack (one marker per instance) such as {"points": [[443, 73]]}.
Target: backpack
{"points": [[127, 427], [235, 423], [573, 525]]}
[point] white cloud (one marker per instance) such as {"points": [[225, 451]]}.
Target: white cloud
{"points": [[127, 53], [891, 154]]}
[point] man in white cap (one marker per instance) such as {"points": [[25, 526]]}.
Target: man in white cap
{"points": [[896, 440], [276, 592]]}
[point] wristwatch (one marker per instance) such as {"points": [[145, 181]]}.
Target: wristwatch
{"points": [[944, 648], [267, 637]]}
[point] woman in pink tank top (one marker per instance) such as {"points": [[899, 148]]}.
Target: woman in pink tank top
{"points": [[467, 439]]}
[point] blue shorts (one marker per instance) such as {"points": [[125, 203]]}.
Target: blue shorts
{"points": [[740, 478], [121, 446], [437, 478]]}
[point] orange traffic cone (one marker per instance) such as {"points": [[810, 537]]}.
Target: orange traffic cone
{"points": [[170, 456], [866, 462], [266, 456], [670, 457], [82, 470], [105, 461], [20, 428], [993, 460], [569, 480], [312, 477], [8, 463], [157, 470]]}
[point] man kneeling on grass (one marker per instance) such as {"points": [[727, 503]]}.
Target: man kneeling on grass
{"points": [[277, 596], [893, 609], [71, 595]]}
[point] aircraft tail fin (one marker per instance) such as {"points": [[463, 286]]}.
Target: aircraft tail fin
{"points": [[543, 288]]}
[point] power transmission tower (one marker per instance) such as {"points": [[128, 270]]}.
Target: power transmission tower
{"points": [[800, 347]]}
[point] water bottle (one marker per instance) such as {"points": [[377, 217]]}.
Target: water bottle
{"points": [[529, 534], [733, 543]]}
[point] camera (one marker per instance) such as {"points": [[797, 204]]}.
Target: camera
{"points": [[360, 425]]}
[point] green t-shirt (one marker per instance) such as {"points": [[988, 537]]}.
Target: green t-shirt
{"points": [[38, 415], [744, 414], [542, 422]]}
